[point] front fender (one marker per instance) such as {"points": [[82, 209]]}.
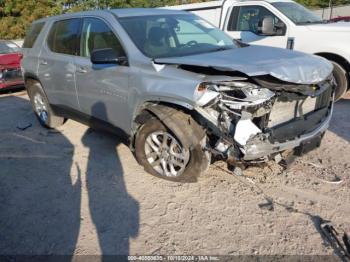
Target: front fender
{"points": [[180, 123]]}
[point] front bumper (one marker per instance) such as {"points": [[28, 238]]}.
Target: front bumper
{"points": [[265, 148]]}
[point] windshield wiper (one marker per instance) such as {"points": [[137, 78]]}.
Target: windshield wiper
{"points": [[221, 48]]}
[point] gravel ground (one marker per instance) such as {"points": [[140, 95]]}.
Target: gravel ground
{"points": [[78, 191]]}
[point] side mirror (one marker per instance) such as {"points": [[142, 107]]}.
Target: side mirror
{"points": [[280, 28], [107, 56], [267, 26]]}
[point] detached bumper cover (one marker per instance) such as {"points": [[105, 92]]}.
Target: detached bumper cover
{"points": [[265, 148]]}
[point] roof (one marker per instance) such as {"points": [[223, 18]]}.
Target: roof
{"points": [[122, 12], [216, 4], [210, 4], [127, 12]]}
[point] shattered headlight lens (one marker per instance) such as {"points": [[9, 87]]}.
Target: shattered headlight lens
{"points": [[206, 93], [235, 94]]}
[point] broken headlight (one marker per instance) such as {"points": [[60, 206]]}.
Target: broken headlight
{"points": [[240, 95], [235, 95]]}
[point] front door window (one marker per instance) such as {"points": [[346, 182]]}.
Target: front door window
{"points": [[97, 35]]}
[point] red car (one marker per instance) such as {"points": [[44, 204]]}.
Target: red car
{"points": [[340, 19], [10, 65]]}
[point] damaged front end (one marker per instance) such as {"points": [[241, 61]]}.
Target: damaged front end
{"points": [[254, 119]]}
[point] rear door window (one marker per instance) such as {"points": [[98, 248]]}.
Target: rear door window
{"points": [[32, 34], [63, 37]]}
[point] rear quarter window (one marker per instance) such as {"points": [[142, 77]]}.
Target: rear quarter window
{"points": [[32, 34], [63, 36]]}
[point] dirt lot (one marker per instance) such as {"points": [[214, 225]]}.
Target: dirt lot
{"points": [[78, 191]]}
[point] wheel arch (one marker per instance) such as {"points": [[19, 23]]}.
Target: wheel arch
{"points": [[29, 77], [173, 116], [336, 58], [340, 60]]}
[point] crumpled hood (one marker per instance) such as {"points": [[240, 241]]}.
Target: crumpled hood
{"points": [[331, 27], [284, 64]]}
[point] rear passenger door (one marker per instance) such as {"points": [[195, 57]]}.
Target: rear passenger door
{"points": [[56, 68], [102, 89]]}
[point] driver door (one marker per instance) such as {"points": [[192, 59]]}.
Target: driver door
{"points": [[245, 25], [102, 89]]}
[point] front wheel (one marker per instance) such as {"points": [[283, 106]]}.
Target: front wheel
{"points": [[162, 154]]}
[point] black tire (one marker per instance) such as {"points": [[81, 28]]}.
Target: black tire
{"points": [[341, 79], [197, 164], [52, 120]]}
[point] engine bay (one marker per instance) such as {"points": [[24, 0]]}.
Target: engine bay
{"points": [[249, 122]]}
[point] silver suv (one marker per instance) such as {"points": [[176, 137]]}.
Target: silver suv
{"points": [[181, 91]]}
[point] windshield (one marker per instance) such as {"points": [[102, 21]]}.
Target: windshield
{"points": [[175, 35], [9, 47], [297, 13]]}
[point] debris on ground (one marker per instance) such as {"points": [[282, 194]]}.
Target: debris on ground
{"points": [[341, 247], [267, 205], [23, 125]]}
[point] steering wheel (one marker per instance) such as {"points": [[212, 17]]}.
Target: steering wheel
{"points": [[192, 43]]}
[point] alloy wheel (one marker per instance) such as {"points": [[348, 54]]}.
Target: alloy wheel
{"points": [[165, 154], [40, 107]]}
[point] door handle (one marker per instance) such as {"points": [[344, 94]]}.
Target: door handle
{"points": [[82, 70], [43, 62]]}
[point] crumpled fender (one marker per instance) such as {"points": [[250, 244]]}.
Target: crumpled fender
{"points": [[180, 123]]}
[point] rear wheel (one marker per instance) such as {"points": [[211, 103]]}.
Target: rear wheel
{"points": [[341, 79], [163, 155], [41, 106]]}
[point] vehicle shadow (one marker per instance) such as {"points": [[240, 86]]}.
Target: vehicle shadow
{"points": [[40, 187], [11, 90], [114, 212], [340, 124]]}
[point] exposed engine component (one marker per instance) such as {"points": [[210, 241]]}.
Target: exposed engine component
{"points": [[248, 120], [237, 96], [284, 111], [241, 95], [229, 102]]}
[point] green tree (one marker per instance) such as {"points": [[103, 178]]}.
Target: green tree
{"points": [[17, 15], [322, 3], [78, 5]]}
